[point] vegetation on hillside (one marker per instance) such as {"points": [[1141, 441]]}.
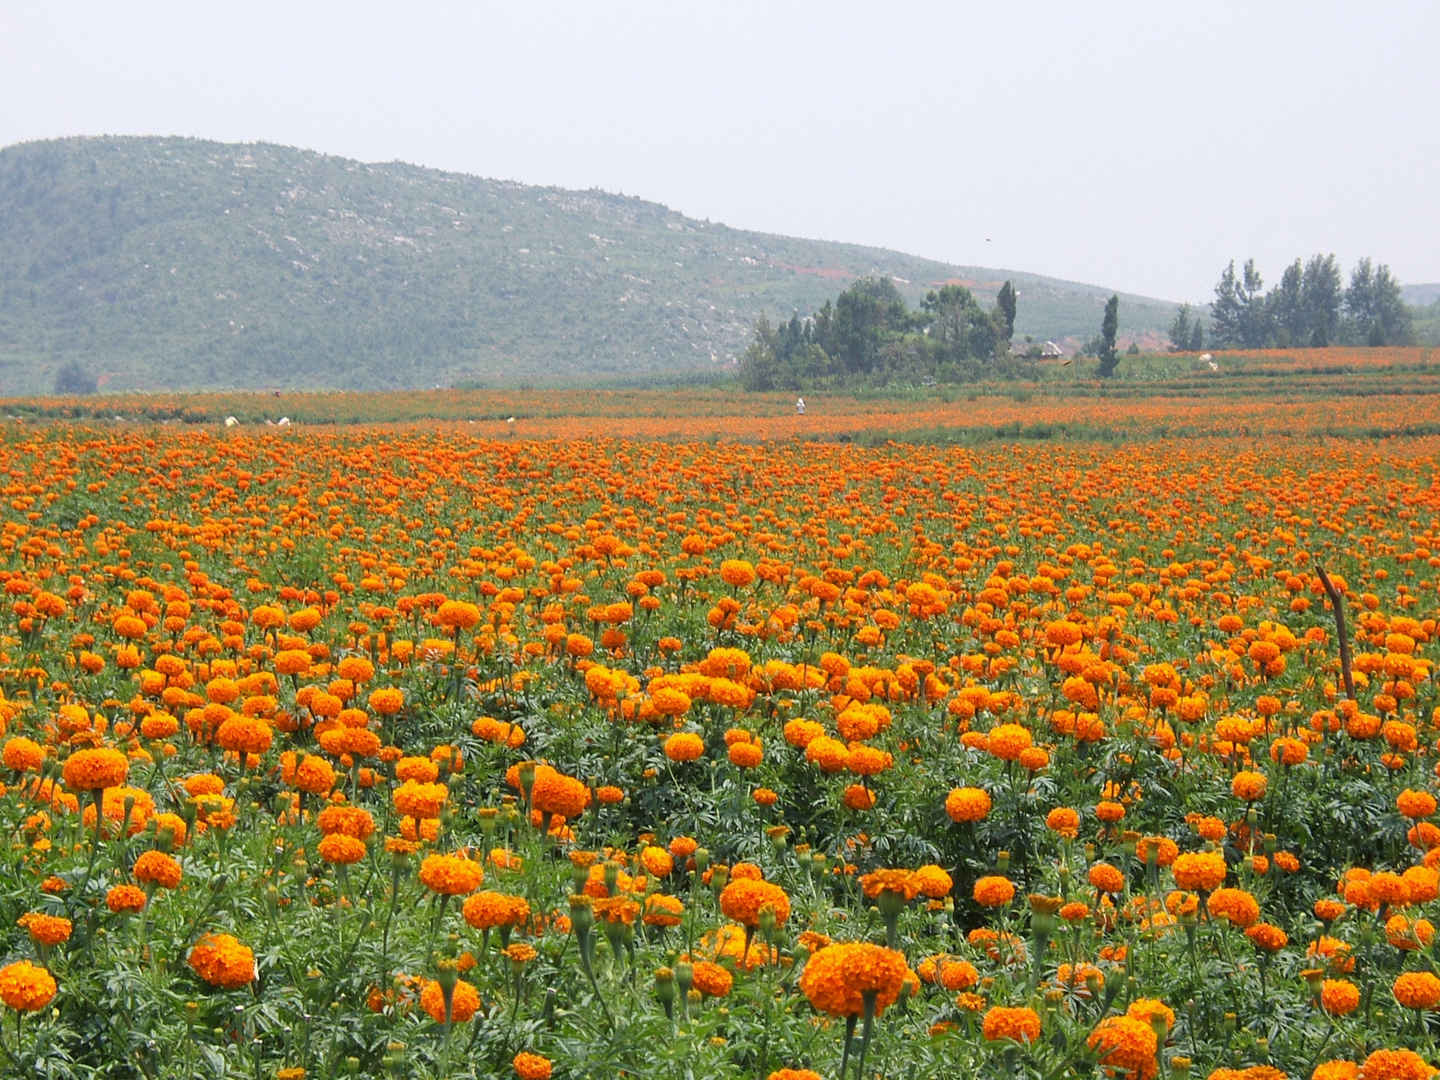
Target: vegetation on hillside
{"points": [[1427, 324], [158, 263]]}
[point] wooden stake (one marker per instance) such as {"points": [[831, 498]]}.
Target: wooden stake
{"points": [[1338, 605]]}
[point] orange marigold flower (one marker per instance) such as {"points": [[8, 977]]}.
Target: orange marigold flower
{"points": [[663, 910], [1164, 848], [451, 875], [1334, 953], [684, 746], [1008, 741], [993, 891], [1235, 905], [1248, 785], [1107, 878], [657, 861], [967, 804], [95, 769], [682, 847], [830, 754], [242, 734], [743, 900], [418, 800], [26, 987], [223, 962], [711, 979], [737, 573], [464, 1003], [1415, 804], [1417, 989], [125, 898], [158, 868], [1339, 997], [932, 881], [531, 1066], [1396, 1065], [1021, 1025], [23, 755], [1064, 821], [46, 929], [552, 792], [314, 775], [419, 769], [386, 701], [1267, 937], [1125, 1043], [1403, 933], [1327, 910], [341, 848], [486, 910], [1146, 1009], [351, 820], [900, 882], [1109, 811], [838, 978], [1199, 871], [1074, 912]]}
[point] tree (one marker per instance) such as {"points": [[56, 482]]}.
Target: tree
{"points": [[1180, 329], [1197, 336], [864, 313], [759, 367], [1320, 297], [1005, 303], [1109, 326], [1375, 314], [959, 330], [1227, 311], [72, 378], [1240, 315], [1287, 307], [1254, 314]]}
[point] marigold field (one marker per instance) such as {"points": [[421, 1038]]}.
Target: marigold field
{"points": [[440, 749]]}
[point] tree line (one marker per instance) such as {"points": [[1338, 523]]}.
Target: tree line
{"points": [[1309, 308], [869, 335]]}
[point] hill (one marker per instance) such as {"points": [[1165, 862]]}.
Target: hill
{"points": [[167, 263], [1422, 295]]}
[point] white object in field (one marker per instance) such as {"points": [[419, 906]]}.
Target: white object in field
{"points": [[799, 406], [230, 421], [284, 421]]}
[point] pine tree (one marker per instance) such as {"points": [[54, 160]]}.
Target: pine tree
{"points": [[1109, 326]]}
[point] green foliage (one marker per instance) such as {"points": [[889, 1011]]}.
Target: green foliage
{"points": [[1109, 327], [1187, 332], [178, 264], [1426, 324], [1309, 308], [1005, 303], [869, 337], [1374, 312], [73, 379]]}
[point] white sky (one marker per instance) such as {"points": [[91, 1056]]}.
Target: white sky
{"points": [[1134, 145]]}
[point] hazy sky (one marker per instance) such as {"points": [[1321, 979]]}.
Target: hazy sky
{"points": [[1133, 145]]}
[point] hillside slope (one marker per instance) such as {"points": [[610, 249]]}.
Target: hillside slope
{"points": [[179, 263]]}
